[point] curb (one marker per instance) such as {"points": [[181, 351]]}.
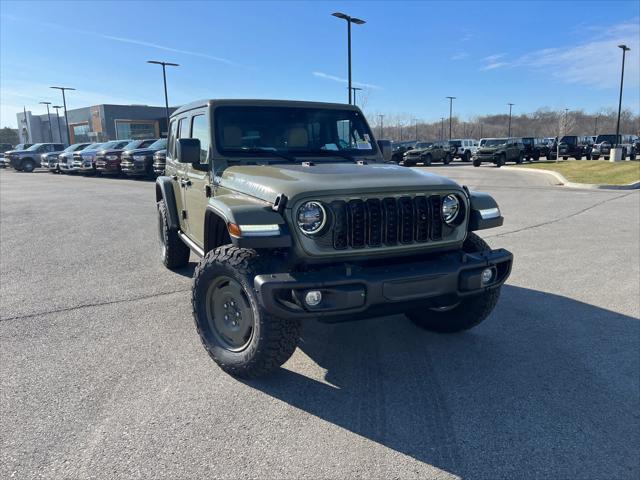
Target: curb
{"points": [[566, 183]]}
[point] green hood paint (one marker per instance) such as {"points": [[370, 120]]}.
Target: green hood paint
{"points": [[266, 182]]}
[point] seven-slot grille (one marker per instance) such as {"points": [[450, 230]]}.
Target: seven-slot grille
{"points": [[390, 221]]}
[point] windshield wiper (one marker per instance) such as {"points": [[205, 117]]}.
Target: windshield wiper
{"points": [[265, 152]]}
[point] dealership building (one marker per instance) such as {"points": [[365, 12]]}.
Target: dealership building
{"points": [[97, 123]]}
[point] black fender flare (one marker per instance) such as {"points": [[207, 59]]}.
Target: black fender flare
{"points": [[235, 209], [164, 192], [484, 212]]}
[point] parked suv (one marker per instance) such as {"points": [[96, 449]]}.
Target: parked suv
{"points": [[499, 151], [399, 149], [109, 156], [159, 162], [4, 157], [440, 151], [139, 161], [29, 159], [604, 144], [82, 160], [534, 148], [303, 219], [464, 148], [572, 146], [50, 160]]}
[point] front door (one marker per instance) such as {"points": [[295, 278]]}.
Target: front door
{"points": [[179, 127], [197, 179]]}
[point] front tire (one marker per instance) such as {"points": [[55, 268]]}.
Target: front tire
{"points": [[239, 335], [447, 159], [427, 160], [28, 166], [174, 253], [468, 313], [477, 163]]}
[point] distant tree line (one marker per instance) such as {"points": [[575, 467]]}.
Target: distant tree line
{"points": [[541, 123], [9, 135]]}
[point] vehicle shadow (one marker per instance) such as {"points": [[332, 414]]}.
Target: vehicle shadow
{"points": [[187, 270], [547, 387]]}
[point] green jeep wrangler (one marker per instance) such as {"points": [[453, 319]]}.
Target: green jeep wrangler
{"points": [[296, 216]]}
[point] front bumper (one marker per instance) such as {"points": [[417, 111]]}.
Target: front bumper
{"points": [[105, 166], [158, 167], [492, 158], [135, 167], [352, 292]]}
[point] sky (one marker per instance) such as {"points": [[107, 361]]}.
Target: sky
{"points": [[407, 58]]}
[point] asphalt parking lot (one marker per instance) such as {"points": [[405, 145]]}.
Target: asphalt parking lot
{"points": [[103, 375]]}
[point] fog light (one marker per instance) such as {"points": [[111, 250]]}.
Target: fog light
{"points": [[487, 276], [313, 298]]}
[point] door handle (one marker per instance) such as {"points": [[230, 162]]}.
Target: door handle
{"points": [[174, 177], [185, 183]]}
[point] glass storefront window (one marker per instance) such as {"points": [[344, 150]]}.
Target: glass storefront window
{"points": [[135, 130], [81, 133]]}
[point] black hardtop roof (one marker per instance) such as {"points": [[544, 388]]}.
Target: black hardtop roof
{"points": [[261, 103]]}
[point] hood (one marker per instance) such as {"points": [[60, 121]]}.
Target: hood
{"points": [[16, 152], [488, 149], [139, 151], [110, 151], [160, 154], [266, 182]]}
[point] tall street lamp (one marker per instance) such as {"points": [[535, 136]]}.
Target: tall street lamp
{"points": [[451, 99], [164, 78], [64, 104], [595, 128], [400, 128], [510, 106], [441, 128], [349, 20], [354, 90], [625, 49], [381, 125], [415, 121], [58, 107], [49, 117]]}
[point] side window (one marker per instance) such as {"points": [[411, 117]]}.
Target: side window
{"points": [[200, 130], [183, 132], [171, 143]]}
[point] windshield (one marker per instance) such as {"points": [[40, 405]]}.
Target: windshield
{"points": [[34, 147], [256, 130], [527, 141], [420, 145], [133, 145], [93, 146], [455, 143], [494, 142], [569, 140], [74, 147], [159, 144], [606, 138]]}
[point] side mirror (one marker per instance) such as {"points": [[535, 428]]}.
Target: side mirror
{"points": [[188, 150], [385, 148]]}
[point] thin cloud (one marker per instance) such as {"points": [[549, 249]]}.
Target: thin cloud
{"points": [[131, 41], [460, 56], [493, 66], [594, 63], [344, 80], [494, 57]]}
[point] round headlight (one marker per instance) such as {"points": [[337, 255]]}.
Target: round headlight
{"points": [[450, 208], [311, 218]]}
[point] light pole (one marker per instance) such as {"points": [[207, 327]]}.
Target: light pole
{"points": [[381, 126], [49, 117], [64, 104], [451, 99], [441, 128], [415, 121], [510, 106], [58, 107], [624, 51], [349, 20], [400, 128], [164, 79], [355, 89], [595, 128]]}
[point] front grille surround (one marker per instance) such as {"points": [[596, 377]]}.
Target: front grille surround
{"points": [[383, 222]]}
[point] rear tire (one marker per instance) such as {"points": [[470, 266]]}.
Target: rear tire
{"points": [[477, 163], [174, 253], [239, 335], [447, 159], [470, 312], [427, 161], [467, 156], [520, 159], [501, 161]]}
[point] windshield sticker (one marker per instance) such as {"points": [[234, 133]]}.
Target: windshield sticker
{"points": [[330, 146], [362, 145]]}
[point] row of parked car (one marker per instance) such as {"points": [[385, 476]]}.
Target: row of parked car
{"points": [[499, 151], [145, 157]]}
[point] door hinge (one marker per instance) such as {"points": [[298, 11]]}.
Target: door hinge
{"points": [[184, 214]]}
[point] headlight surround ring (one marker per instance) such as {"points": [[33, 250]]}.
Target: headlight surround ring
{"points": [[451, 207], [311, 218]]}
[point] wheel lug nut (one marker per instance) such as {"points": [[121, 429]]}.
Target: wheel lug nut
{"points": [[226, 317], [226, 305]]}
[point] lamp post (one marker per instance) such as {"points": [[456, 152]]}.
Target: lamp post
{"points": [[49, 117], [58, 107], [625, 49], [451, 99], [164, 79], [510, 106], [64, 104], [349, 20], [354, 90], [400, 128], [441, 128], [595, 128], [381, 125], [415, 121]]}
